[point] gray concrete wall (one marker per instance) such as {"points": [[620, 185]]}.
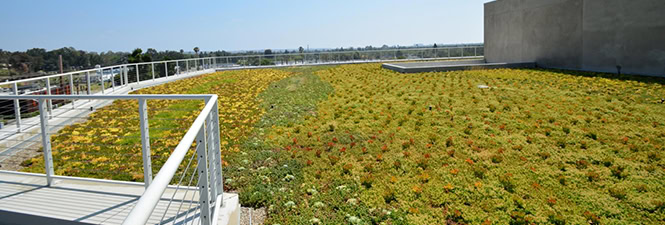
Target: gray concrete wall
{"points": [[593, 35]]}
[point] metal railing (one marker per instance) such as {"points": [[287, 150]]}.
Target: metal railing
{"points": [[86, 82], [358, 56], [107, 79], [192, 171], [204, 132]]}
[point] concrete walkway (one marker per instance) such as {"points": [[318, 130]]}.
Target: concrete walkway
{"points": [[25, 199]]}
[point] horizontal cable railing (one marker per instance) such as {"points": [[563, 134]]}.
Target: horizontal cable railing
{"points": [[190, 64], [204, 134], [342, 57], [97, 146]]}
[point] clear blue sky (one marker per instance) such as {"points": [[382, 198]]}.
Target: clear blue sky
{"points": [[121, 25]]}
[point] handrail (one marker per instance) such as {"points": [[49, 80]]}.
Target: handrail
{"points": [[98, 69], [151, 196], [156, 188]]}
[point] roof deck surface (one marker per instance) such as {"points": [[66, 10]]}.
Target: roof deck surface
{"points": [[90, 201]]}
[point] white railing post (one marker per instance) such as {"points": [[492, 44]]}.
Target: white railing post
{"points": [[71, 87], [137, 73], [214, 154], [87, 82], [196, 64], [166, 68], [204, 198], [101, 79], [50, 103], [217, 150], [187, 65], [17, 109], [113, 79], [210, 143], [126, 76], [152, 66], [46, 142], [145, 142], [121, 72]]}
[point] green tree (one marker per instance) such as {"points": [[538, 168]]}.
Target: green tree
{"points": [[135, 57], [268, 54]]}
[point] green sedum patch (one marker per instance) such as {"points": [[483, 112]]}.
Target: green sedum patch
{"points": [[537, 146]]}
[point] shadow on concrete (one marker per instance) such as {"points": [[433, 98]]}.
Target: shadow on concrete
{"points": [[613, 76]]}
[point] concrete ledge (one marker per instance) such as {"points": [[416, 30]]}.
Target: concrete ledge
{"points": [[443, 66], [229, 212], [468, 58]]}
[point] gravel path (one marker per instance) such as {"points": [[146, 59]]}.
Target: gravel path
{"points": [[13, 163], [257, 216]]}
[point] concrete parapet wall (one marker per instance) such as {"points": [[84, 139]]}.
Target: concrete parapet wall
{"points": [[593, 35]]}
